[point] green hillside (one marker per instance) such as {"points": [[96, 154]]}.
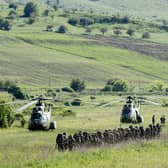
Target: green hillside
{"points": [[33, 58], [152, 9], [31, 55]]}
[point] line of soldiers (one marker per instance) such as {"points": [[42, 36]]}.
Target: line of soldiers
{"points": [[84, 139]]}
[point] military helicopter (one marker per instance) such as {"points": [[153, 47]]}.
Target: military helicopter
{"points": [[40, 117], [131, 110]]}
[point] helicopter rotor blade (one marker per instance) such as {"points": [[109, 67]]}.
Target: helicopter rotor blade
{"points": [[26, 106], [94, 103], [151, 102], [112, 102]]}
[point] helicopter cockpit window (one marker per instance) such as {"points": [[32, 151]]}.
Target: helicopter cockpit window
{"points": [[34, 110], [36, 116], [129, 106]]}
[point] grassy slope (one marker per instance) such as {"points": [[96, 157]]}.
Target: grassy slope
{"points": [[39, 55], [142, 9], [65, 57]]}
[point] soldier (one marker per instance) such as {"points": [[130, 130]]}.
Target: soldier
{"points": [[153, 119], [162, 120], [59, 142], [65, 141], [71, 142]]}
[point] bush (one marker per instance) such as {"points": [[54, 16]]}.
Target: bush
{"points": [[5, 24], [55, 7], [46, 12], [86, 21], [146, 35], [13, 5], [77, 85], [31, 20], [67, 89], [67, 103], [49, 28], [67, 113], [111, 81], [30, 9], [17, 92], [130, 32], [13, 89], [158, 86], [107, 88], [73, 21], [6, 115], [117, 32], [76, 102], [62, 29], [121, 86], [103, 30]]}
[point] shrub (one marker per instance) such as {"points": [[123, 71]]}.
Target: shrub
{"points": [[6, 115], [5, 24], [73, 21], [62, 29], [77, 85], [66, 113], [130, 32], [121, 86], [17, 92], [117, 32], [31, 20], [103, 30], [55, 7], [46, 12], [13, 5], [158, 86], [146, 35], [49, 28], [107, 88], [76, 102], [30, 9], [84, 21], [67, 89]]}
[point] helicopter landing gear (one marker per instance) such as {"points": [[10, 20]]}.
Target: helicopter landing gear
{"points": [[53, 125]]}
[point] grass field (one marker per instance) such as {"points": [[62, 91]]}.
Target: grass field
{"points": [[21, 148], [36, 58]]}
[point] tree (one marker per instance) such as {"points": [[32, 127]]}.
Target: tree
{"points": [[158, 86], [46, 12], [130, 32], [73, 21], [17, 92], [6, 115], [5, 24], [30, 9], [146, 35], [103, 30], [85, 21], [62, 29], [13, 5], [121, 86], [49, 28], [77, 85], [55, 7], [117, 32]]}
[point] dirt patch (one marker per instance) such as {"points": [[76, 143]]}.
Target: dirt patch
{"points": [[157, 50]]}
